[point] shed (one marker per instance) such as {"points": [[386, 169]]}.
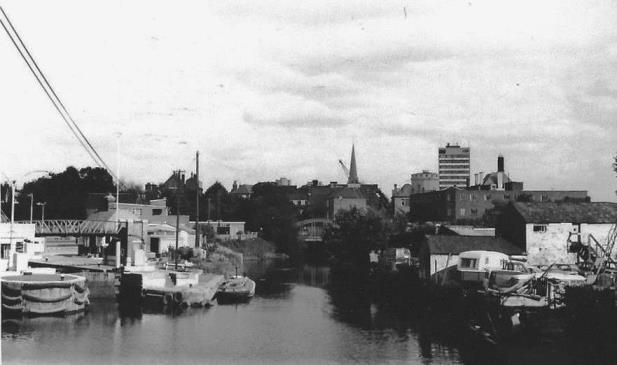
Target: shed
{"points": [[440, 251]]}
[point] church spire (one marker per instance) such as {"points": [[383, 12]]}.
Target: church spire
{"points": [[353, 171]]}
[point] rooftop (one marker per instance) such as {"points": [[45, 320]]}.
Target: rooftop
{"points": [[440, 244], [575, 212]]}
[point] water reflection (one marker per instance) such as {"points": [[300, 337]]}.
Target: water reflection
{"points": [[299, 315]]}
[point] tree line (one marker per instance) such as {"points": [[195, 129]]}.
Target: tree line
{"points": [[68, 195]]}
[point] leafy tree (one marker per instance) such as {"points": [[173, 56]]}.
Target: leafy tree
{"points": [[355, 233], [65, 193], [270, 213]]}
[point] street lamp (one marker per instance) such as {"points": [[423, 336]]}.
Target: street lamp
{"points": [[42, 205]]}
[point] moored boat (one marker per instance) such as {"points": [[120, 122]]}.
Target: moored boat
{"points": [[236, 289]]}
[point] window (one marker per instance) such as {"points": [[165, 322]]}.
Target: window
{"points": [[19, 247], [474, 211], [157, 211], [5, 249], [462, 211], [539, 228], [469, 263], [222, 230]]}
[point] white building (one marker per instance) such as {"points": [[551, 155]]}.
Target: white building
{"points": [[18, 245], [543, 229]]}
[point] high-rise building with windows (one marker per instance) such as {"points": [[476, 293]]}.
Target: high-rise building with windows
{"points": [[453, 166]]}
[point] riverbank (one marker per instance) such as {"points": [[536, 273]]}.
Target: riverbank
{"points": [[253, 248]]}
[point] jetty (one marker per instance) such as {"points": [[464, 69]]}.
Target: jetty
{"points": [[168, 289]]}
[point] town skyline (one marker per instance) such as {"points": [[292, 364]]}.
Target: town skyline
{"points": [[285, 92]]}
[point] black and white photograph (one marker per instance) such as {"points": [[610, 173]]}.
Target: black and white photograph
{"points": [[308, 182]]}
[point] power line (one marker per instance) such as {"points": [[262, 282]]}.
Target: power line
{"points": [[49, 96], [70, 122], [52, 90]]}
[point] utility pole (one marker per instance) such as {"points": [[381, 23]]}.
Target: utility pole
{"points": [[177, 223], [197, 200], [31, 195], [12, 214]]}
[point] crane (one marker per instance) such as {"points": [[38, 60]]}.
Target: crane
{"points": [[345, 169]]}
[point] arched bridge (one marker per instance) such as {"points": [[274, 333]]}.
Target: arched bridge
{"points": [[312, 230], [76, 227]]}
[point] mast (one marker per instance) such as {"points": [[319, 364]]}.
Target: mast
{"points": [[197, 200]]}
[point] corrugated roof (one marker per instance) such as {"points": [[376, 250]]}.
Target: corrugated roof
{"points": [[472, 231], [575, 212], [440, 244]]}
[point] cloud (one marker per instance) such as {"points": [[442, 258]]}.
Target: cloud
{"points": [[290, 111]]}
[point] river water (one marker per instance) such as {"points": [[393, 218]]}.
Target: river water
{"points": [[295, 317]]}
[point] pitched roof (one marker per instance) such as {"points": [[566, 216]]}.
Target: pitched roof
{"points": [[571, 212], [244, 189], [346, 193], [440, 244], [404, 191]]}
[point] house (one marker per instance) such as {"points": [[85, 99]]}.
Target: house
{"points": [[345, 199], [226, 230], [437, 252], [469, 204], [243, 191], [136, 235], [18, 244], [400, 198], [542, 229], [162, 236]]}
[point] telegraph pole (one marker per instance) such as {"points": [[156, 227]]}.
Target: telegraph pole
{"points": [[197, 200]]}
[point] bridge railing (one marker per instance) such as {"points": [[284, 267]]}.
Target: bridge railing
{"points": [[74, 227]]}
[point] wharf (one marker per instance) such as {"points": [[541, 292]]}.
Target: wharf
{"points": [[170, 288], [72, 263]]}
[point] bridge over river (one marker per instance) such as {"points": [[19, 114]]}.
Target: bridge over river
{"points": [[312, 230], [77, 228]]}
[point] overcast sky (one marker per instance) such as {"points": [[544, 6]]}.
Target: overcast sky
{"points": [[265, 89]]}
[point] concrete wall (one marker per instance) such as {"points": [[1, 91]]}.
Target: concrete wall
{"points": [[100, 284], [550, 246]]}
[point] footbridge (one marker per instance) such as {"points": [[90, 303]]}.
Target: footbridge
{"points": [[312, 230], [77, 228]]}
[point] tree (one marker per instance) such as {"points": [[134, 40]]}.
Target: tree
{"points": [[65, 193], [270, 213], [354, 234]]}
